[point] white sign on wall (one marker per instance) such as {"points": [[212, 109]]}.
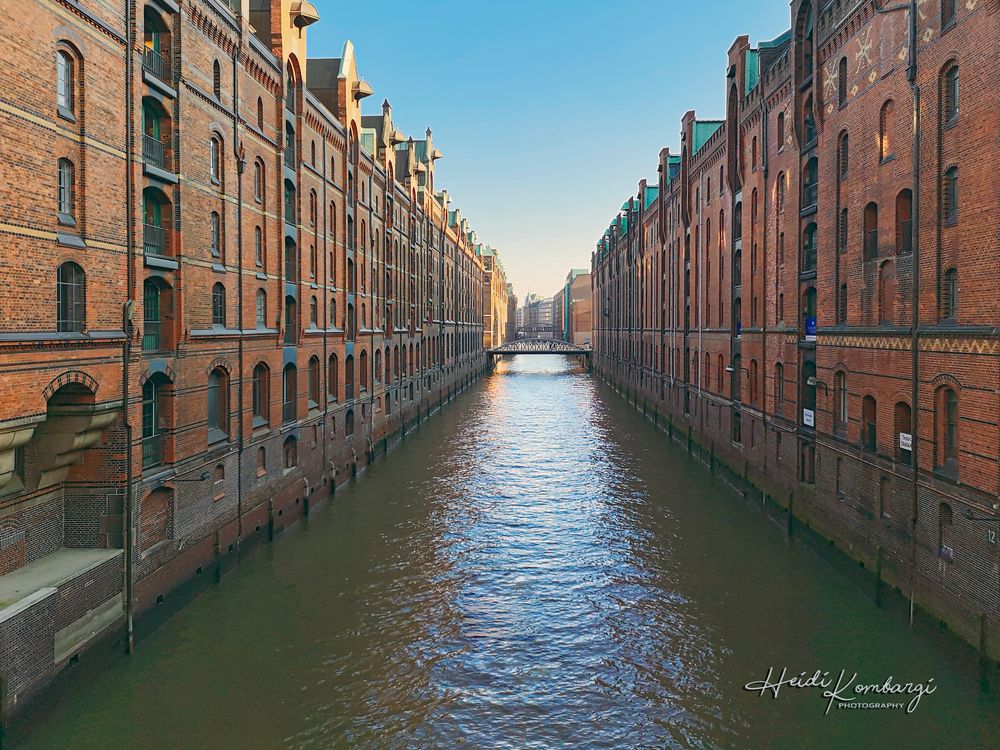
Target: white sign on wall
{"points": [[808, 417], [905, 441]]}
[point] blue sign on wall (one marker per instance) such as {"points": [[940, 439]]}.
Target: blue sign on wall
{"points": [[811, 326]]}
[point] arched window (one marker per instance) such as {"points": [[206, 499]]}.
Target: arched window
{"points": [[810, 183], [215, 225], [65, 84], [842, 304], [363, 369], [780, 192], [153, 422], [291, 209], [947, 12], [261, 395], [809, 121], [290, 452], [809, 313], [258, 246], [290, 89], [840, 399], [333, 312], [258, 181], [842, 82], [753, 154], [289, 393], [291, 320], [312, 155], [902, 426], [949, 95], [218, 405], [66, 201], [215, 159], [949, 294], [218, 305], [217, 79], [313, 312], [313, 382], [869, 424], [291, 260], [349, 422], [946, 430], [260, 309], [809, 247], [949, 196], [753, 381], [842, 233], [260, 113], [779, 385], [71, 295], [887, 130], [333, 378], [349, 377], [843, 155], [312, 206], [871, 231], [904, 222], [378, 365]]}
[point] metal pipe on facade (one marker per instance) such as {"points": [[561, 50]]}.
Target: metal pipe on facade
{"points": [[127, 310]]}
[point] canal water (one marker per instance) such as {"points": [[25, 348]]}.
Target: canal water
{"points": [[535, 568]]}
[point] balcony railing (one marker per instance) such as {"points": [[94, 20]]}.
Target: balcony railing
{"points": [[151, 335], [871, 244], [154, 152], [904, 237], [154, 240], [152, 450], [156, 63]]}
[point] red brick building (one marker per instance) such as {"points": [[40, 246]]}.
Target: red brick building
{"points": [[803, 293], [225, 291]]}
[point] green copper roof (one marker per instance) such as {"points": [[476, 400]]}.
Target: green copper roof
{"points": [[753, 71], [703, 130], [776, 42], [673, 164], [650, 196]]}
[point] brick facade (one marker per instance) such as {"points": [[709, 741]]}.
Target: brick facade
{"points": [[758, 297], [225, 291]]}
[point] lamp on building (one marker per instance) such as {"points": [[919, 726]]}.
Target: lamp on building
{"points": [[304, 14], [813, 382], [968, 515], [730, 369]]}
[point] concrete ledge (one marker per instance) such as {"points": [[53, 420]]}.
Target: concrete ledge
{"points": [[9, 613], [75, 636]]}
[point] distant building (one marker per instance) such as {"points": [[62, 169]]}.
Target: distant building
{"points": [[512, 314], [577, 307]]}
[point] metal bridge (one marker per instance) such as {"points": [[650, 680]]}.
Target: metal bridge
{"points": [[541, 346]]}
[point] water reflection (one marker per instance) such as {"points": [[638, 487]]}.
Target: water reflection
{"points": [[535, 569]]}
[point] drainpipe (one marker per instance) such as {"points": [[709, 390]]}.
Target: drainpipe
{"points": [[127, 310], [763, 244], [240, 154], [911, 75]]}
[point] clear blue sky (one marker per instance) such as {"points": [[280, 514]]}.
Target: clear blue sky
{"points": [[548, 112]]}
